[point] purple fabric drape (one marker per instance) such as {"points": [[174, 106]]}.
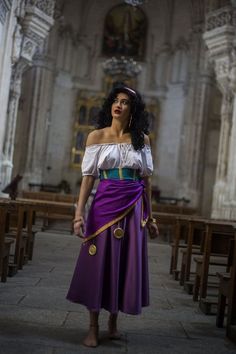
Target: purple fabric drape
{"points": [[116, 277], [113, 198]]}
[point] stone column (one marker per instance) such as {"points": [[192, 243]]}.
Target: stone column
{"points": [[7, 24], [220, 36], [35, 22], [161, 70], [8, 146], [5, 6], [231, 176], [41, 98], [194, 124], [220, 186]]}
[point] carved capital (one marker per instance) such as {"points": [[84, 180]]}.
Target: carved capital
{"points": [[28, 49], [5, 6], [220, 31], [232, 78], [222, 70], [232, 74], [46, 6], [224, 16], [38, 20], [222, 67]]}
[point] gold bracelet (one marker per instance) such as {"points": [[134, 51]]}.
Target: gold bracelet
{"points": [[76, 220], [153, 220]]}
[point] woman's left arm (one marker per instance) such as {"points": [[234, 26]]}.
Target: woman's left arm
{"points": [[151, 223]]}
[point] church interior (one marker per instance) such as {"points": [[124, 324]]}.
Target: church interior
{"points": [[60, 58], [58, 61]]}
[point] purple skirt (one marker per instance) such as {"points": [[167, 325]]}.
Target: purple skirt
{"points": [[116, 278]]}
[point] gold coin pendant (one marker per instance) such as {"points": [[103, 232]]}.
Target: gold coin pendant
{"points": [[92, 250], [119, 232]]}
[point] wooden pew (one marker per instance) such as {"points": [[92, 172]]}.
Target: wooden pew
{"points": [[216, 248], [225, 284], [27, 227], [21, 232], [178, 243], [177, 225], [173, 209], [14, 230], [166, 221], [183, 240], [62, 208], [5, 245], [51, 210], [31, 230], [50, 196], [231, 318], [195, 240]]}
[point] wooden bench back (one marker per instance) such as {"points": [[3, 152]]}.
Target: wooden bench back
{"points": [[221, 243], [2, 227], [218, 243], [231, 318], [56, 197], [175, 209], [12, 220], [231, 254], [198, 236]]}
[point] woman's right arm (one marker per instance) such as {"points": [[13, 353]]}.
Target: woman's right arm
{"points": [[87, 181], [85, 191]]}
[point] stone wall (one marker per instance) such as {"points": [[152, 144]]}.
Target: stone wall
{"points": [[77, 38], [193, 86], [24, 26]]}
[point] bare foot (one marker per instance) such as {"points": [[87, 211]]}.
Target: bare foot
{"points": [[112, 328], [91, 340]]}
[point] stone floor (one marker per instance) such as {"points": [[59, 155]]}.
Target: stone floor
{"points": [[36, 318]]}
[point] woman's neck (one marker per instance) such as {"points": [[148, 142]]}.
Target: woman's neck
{"points": [[118, 129]]}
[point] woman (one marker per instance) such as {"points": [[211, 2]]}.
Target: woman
{"points": [[112, 269]]}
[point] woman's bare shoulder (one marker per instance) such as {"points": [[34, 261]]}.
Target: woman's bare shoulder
{"points": [[95, 137], [146, 140]]}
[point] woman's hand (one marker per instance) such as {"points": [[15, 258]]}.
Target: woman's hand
{"points": [[79, 226], [152, 229]]}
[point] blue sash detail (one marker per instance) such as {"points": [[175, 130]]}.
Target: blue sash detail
{"points": [[120, 173]]}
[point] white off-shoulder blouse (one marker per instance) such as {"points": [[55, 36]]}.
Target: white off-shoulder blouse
{"points": [[112, 155]]}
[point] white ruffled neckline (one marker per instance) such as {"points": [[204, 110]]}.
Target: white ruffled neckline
{"points": [[102, 144]]}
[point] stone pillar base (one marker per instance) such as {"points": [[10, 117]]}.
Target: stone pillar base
{"points": [[221, 208], [31, 177], [5, 172]]}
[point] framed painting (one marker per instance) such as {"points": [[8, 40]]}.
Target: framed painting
{"points": [[125, 30]]}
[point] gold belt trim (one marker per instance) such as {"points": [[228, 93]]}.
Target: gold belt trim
{"points": [[143, 221], [120, 173]]}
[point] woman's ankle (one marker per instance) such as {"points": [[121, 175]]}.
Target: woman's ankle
{"points": [[112, 327], [91, 340]]}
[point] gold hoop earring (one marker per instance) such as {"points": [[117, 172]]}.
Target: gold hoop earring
{"points": [[130, 121]]}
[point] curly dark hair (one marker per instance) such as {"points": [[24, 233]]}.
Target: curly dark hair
{"points": [[139, 123]]}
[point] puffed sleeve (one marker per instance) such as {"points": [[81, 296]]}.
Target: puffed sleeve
{"points": [[147, 162], [90, 161]]}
